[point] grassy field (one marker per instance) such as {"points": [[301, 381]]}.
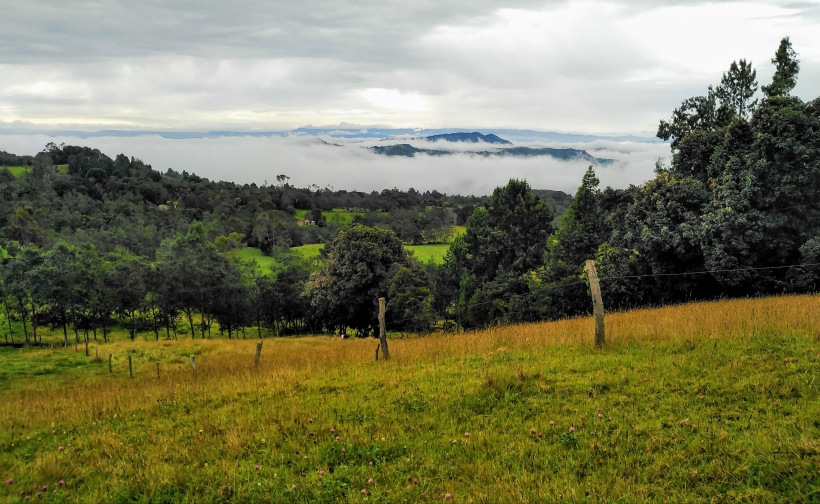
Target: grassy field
{"points": [[308, 251], [710, 402], [16, 170], [426, 253], [265, 263]]}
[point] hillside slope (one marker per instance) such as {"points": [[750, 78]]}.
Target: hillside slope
{"points": [[701, 402]]}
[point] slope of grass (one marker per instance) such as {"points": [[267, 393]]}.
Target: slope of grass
{"points": [[263, 262], [426, 253], [308, 251], [16, 170], [711, 402]]}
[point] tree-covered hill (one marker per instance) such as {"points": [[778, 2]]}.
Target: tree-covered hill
{"points": [[473, 137], [736, 213]]}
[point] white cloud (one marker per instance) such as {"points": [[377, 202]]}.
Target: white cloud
{"points": [[352, 166]]}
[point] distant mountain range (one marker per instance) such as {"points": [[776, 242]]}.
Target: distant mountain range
{"points": [[408, 150], [473, 137], [343, 131]]}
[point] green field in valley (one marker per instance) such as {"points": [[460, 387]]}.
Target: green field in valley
{"points": [[265, 263], [16, 170], [308, 251], [708, 402], [434, 252]]}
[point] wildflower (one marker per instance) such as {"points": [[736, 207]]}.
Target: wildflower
{"points": [[344, 451], [600, 415], [28, 497], [61, 483], [370, 463], [321, 473], [466, 434], [61, 448], [256, 467], [332, 429], [310, 420], [338, 438], [364, 492], [571, 428], [448, 496], [370, 481], [293, 487], [45, 488], [39, 494], [10, 481]]}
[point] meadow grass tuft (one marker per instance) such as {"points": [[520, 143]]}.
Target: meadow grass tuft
{"points": [[709, 402]]}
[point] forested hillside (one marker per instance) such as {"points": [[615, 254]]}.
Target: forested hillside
{"points": [[90, 241]]}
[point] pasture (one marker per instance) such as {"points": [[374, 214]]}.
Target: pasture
{"points": [[16, 171], [263, 262], [700, 402]]}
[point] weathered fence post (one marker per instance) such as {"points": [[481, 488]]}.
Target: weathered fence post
{"points": [[193, 365], [97, 353], [382, 332], [258, 353], [110, 368], [157, 370], [377, 350], [130, 368], [597, 303]]}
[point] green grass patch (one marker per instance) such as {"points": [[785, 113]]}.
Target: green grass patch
{"points": [[426, 253], [263, 262], [17, 171], [308, 251], [341, 217]]}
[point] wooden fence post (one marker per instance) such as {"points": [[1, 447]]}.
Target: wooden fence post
{"points": [[110, 369], [377, 350], [382, 332], [597, 303], [258, 353], [193, 365], [97, 353], [130, 368], [157, 370]]}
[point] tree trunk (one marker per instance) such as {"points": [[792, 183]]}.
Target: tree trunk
{"points": [[64, 319], [191, 323], [8, 319]]}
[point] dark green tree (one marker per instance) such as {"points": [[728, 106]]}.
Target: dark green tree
{"points": [[786, 69], [360, 265], [410, 302], [737, 88]]}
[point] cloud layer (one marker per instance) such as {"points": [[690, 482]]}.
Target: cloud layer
{"points": [[350, 165], [587, 66]]}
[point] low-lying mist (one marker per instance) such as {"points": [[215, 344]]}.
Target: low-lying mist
{"points": [[345, 164]]}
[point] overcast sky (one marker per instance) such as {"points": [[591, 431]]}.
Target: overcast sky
{"points": [[588, 67]]}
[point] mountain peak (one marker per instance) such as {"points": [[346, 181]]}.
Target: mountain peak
{"points": [[473, 137]]}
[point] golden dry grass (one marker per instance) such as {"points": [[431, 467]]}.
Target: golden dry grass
{"points": [[151, 432]]}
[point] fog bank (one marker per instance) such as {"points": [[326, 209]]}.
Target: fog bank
{"points": [[351, 165]]}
